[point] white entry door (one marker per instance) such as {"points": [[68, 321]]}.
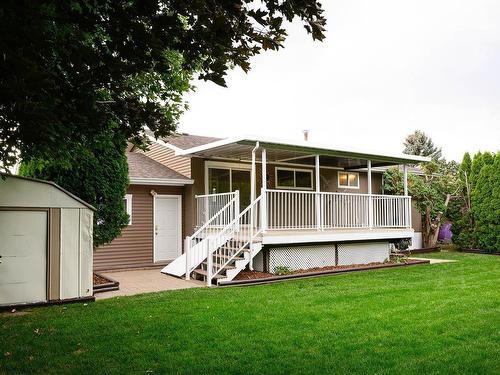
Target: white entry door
{"points": [[168, 227], [23, 256]]}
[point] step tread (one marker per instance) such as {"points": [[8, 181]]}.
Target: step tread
{"points": [[227, 267], [202, 272], [229, 256]]}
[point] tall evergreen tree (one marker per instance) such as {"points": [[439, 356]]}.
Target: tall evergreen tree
{"points": [[419, 143]]}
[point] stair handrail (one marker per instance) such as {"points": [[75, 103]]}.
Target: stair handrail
{"points": [[188, 240], [235, 226]]}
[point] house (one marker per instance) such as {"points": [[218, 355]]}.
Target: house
{"points": [[258, 203]]}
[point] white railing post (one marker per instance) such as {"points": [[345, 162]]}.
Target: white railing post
{"points": [[187, 244], [209, 262], [370, 198], [250, 245], [317, 199], [409, 213], [236, 208]]}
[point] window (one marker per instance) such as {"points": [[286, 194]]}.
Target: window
{"points": [[349, 180], [294, 178], [128, 207]]}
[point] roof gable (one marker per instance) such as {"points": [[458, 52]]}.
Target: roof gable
{"points": [[143, 167]]}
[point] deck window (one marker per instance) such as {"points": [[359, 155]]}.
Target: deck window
{"points": [[289, 178], [128, 207], [349, 180]]}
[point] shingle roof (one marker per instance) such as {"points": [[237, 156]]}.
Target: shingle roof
{"points": [[185, 141], [141, 166]]}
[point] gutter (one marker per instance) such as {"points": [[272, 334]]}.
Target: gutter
{"points": [[161, 181]]}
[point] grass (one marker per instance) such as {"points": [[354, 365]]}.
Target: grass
{"points": [[427, 319]]}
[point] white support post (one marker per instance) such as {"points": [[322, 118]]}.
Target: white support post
{"points": [[253, 174], [263, 192], [209, 262], [187, 242], [405, 183], [318, 197], [370, 198], [405, 192]]}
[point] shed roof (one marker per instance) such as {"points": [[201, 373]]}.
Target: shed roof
{"points": [[12, 194]]}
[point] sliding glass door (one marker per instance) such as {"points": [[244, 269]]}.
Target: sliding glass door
{"points": [[224, 180]]}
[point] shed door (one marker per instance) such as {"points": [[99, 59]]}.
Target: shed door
{"points": [[23, 251], [168, 227]]}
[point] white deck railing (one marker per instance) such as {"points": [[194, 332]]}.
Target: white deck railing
{"points": [[208, 205], [289, 210]]}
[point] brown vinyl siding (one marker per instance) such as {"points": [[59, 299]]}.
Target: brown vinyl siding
{"points": [[134, 248], [416, 219], [166, 156]]}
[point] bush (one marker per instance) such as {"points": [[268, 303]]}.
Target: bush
{"points": [[282, 270], [96, 173]]}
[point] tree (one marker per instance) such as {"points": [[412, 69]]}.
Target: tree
{"points": [[432, 190], [431, 193], [418, 143], [486, 204], [98, 173], [70, 68]]}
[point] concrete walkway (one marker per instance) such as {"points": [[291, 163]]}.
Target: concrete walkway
{"points": [[435, 261], [145, 281]]}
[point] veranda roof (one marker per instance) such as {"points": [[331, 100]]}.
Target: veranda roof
{"points": [[298, 152]]}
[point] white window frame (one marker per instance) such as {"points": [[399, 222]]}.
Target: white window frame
{"points": [[347, 186], [294, 187], [128, 207]]}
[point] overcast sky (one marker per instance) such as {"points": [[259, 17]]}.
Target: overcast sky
{"points": [[386, 68]]}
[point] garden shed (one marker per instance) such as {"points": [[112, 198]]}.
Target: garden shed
{"points": [[45, 243]]}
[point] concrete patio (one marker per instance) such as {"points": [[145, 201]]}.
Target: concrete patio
{"points": [[145, 281]]}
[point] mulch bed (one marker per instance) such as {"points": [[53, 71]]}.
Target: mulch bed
{"points": [[256, 275], [104, 284], [99, 280]]}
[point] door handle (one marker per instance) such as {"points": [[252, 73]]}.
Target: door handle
{"points": [[156, 229]]}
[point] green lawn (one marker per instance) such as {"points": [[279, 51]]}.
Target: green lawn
{"points": [[427, 319]]}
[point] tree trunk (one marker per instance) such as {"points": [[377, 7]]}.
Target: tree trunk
{"points": [[430, 228]]}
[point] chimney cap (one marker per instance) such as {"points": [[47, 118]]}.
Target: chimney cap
{"points": [[306, 134]]}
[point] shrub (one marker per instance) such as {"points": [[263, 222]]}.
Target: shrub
{"points": [[96, 173], [282, 270]]}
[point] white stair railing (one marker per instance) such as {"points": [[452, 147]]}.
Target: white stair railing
{"points": [[208, 205], [196, 245], [236, 237]]}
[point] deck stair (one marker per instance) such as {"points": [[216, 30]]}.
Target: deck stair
{"points": [[228, 265], [218, 253]]}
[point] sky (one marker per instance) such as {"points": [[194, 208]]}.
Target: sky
{"points": [[385, 69]]}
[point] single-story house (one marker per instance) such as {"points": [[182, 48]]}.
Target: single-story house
{"points": [[257, 202]]}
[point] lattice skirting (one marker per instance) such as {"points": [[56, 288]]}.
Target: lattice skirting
{"points": [[362, 253], [258, 261], [304, 257]]}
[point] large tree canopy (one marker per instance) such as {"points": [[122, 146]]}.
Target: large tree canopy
{"points": [[70, 67], [98, 173]]}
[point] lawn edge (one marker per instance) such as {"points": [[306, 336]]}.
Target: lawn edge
{"points": [[275, 279]]}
